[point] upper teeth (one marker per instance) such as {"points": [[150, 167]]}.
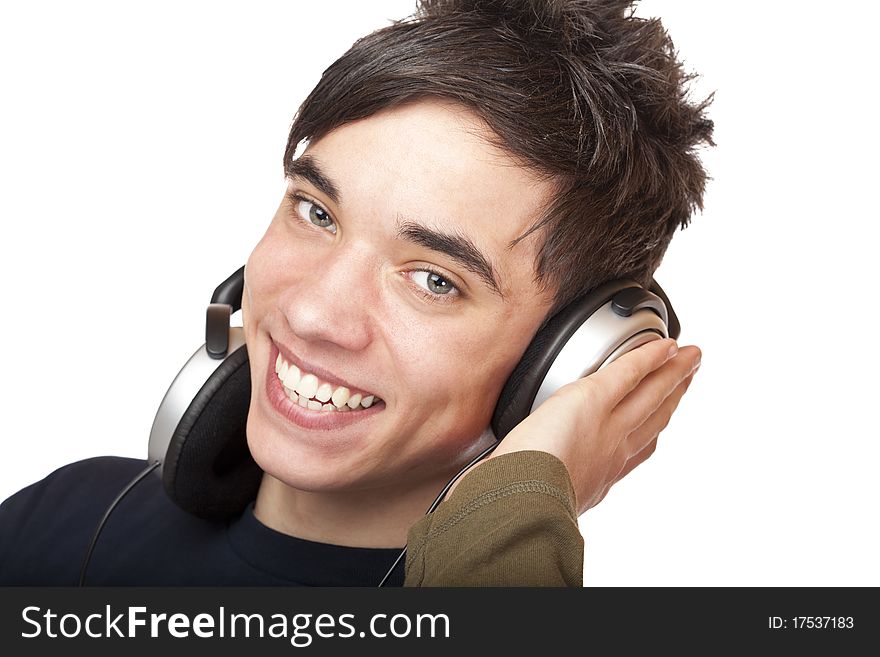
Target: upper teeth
{"points": [[308, 391]]}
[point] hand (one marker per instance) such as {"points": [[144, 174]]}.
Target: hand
{"points": [[604, 425]]}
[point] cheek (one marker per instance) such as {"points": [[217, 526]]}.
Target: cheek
{"points": [[273, 265], [452, 364]]}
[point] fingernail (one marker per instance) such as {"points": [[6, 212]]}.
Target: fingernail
{"points": [[673, 350]]}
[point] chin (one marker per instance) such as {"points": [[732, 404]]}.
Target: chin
{"points": [[299, 464], [304, 473]]}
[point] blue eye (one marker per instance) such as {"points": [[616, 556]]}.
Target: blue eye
{"points": [[314, 213], [434, 283]]}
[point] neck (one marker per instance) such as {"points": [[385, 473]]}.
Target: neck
{"points": [[373, 518], [378, 517]]}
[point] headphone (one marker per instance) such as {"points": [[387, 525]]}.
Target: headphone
{"points": [[198, 444]]}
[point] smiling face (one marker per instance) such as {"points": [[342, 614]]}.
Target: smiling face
{"points": [[387, 273]]}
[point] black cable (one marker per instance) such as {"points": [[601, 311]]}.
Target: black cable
{"points": [[131, 484], [437, 500], [153, 466]]}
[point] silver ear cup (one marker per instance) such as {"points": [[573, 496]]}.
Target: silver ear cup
{"points": [[603, 337], [634, 342], [183, 390]]}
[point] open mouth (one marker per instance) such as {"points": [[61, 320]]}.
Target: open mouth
{"points": [[317, 403], [309, 391]]}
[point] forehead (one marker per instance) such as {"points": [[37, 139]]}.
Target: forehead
{"points": [[432, 162]]}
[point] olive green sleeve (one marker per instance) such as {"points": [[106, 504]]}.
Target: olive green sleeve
{"points": [[511, 521]]}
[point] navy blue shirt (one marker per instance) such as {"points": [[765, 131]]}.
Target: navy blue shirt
{"points": [[45, 530]]}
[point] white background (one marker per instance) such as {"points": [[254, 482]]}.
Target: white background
{"points": [[140, 162]]}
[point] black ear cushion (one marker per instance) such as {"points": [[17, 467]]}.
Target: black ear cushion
{"points": [[518, 394], [208, 469]]}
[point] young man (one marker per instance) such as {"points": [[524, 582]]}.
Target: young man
{"points": [[463, 175]]}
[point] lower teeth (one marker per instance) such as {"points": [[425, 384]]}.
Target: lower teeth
{"points": [[311, 403]]}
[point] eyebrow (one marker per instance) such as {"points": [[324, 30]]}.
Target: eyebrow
{"points": [[458, 247], [307, 168]]}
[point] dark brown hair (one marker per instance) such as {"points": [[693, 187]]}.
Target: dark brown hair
{"points": [[579, 91]]}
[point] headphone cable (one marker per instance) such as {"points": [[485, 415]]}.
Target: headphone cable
{"points": [[153, 466], [131, 484], [437, 500]]}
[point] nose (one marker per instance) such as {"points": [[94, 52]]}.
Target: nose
{"points": [[331, 303]]}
